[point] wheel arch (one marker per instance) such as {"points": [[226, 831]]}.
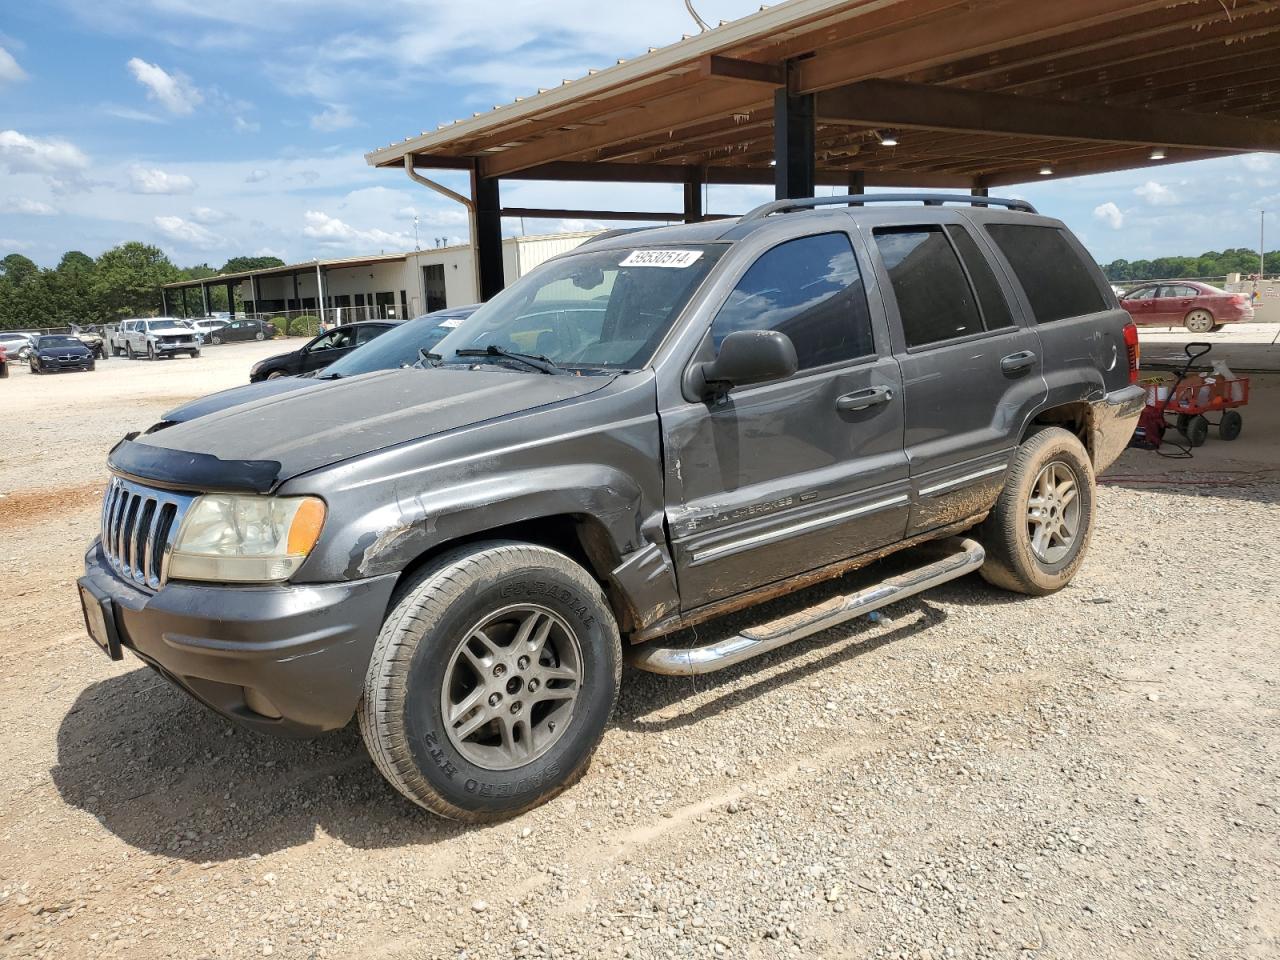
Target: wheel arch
{"points": [[1075, 416]]}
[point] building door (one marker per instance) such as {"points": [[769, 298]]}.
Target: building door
{"points": [[433, 287]]}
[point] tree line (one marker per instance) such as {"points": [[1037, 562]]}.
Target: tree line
{"points": [[1239, 260], [123, 282]]}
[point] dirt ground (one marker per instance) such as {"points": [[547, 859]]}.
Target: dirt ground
{"points": [[974, 775]]}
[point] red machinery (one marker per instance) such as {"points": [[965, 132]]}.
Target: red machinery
{"points": [[1189, 399]]}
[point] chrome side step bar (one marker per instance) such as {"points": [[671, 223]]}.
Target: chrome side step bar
{"points": [[965, 557]]}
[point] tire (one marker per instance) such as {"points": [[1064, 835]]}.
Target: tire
{"points": [[1216, 327], [128, 350], [151, 351], [1197, 431], [1013, 562], [215, 340], [1183, 420], [1199, 321], [402, 712], [1230, 425], [276, 375], [259, 335], [195, 354], [35, 369]]}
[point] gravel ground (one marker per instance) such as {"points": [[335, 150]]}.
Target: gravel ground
{"points": [[974, 775]]}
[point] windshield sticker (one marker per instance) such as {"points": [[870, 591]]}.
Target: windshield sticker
{"points": [[662, 258], [452, 322]]}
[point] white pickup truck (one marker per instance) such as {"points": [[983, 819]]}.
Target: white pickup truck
{"points": [[157, 337]]}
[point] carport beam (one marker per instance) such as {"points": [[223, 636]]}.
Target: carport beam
{"points": [[793, 145], [694, 181], [488, 238], [204, 298]]}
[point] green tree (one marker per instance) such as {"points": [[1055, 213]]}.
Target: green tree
{"points": [[242, 264], [71, 289], [24, 294], [129, 277]]}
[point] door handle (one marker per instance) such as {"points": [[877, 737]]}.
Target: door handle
{"points": [[864, 399], [1017, 362]]}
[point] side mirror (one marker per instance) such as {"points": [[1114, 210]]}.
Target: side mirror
{"points": [[746, 357]]}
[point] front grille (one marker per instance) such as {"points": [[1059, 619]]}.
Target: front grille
{"points": [[175, 338], [139, 526]]}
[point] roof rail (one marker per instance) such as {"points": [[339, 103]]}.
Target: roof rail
{"points": [[929, 199]]}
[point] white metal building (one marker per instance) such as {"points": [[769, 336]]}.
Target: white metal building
{"points": [[356, 288]]}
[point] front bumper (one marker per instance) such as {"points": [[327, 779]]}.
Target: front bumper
{"points": [[1115, 417], [180, 347], [304, 649], [54, 365]]}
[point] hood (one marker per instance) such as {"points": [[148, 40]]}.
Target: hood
{"points": [[258, 445], [63, 351], [225, 399], [170, 331]]}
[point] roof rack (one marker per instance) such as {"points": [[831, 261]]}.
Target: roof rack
{"points": [[929, 199]]}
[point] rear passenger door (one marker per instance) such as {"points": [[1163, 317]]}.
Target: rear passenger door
{"points": [[971, 373], [785, 477]]}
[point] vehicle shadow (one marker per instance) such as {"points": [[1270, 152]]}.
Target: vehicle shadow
{"points": [[168, 776]]}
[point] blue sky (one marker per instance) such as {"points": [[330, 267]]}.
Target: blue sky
{"points": [[222, 127]]}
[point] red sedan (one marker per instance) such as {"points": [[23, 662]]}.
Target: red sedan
{"points": [[1200, 307]]}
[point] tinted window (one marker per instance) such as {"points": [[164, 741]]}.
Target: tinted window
{"points": [[1142, 293], [1058, 284], [995, 308], [811, 290], [934, 297]]}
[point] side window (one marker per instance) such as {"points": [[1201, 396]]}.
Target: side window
{"points": [[365, 334], [933, 294], [1058, 284], [995, 308], [811, 290], [1142, 293]]}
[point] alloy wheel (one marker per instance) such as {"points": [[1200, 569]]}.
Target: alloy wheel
{"points": [[509, 689], [1053, 513]]}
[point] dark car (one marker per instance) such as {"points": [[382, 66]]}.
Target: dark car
{"points": [[1200, 307], [321, 351], [633, 439], [234, 330], [55, 353], [401, 347]]}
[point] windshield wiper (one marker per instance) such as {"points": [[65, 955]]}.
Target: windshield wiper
{"points": [[538, 362], [330, 376], [427, 357]]}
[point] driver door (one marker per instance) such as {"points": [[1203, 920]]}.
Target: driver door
{"points": [[780, 478]]}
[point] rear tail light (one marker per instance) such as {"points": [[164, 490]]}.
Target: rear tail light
{"points": [[1239, 298], [1134, 351]]}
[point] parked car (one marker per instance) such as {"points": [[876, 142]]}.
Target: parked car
{"points": [[56, 353], [154, 338], [400, 347], [228, 331], [1200, 307], [320, 351], [637, 436], [18, 345]]}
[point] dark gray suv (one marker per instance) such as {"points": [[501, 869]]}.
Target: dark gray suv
{"points": [[655, 429]]}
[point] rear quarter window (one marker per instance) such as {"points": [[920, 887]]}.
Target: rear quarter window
{"points": [[1057, 282]]}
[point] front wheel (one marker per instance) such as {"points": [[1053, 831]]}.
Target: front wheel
{"points": [[151, 351], [1037, 532], [491, 681], [215, 339], [259, 335], [128, 351]]}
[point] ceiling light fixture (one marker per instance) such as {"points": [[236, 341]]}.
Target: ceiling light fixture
{"points": [[1157, 153], [1046, 171], [888, 140]]}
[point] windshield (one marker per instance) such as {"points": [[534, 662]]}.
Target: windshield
{"points": [[398, 347], [59, 342], [594, 309]]}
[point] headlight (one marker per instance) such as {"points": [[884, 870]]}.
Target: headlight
{"points": [[246, 539]]}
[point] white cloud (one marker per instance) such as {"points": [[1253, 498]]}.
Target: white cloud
{"points": [[331, 231], [153, 180], [1109, 214], [10, 72], [184, 231], [22, 154], [12, 243], [241, 125], [173, 91], [130, 113], [1258, 162], [257, 175], [208, 216], [25, 205], [1156, 194], [335, 116]]}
